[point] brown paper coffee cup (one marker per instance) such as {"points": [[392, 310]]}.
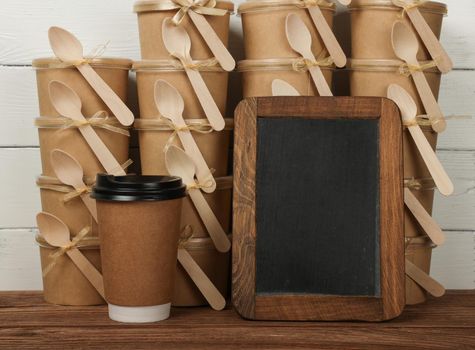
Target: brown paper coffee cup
{"points": [[148, 72], [139, 226], [420, 255], [151, 15], [213, 263], [53, 134], [65, 284], [258, 75], [372, 22], [263, 24]]}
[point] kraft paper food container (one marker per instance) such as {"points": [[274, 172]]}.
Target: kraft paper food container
{"points": [[213, 263], [155, 135], [372, 22], [139, 230], [148, 72], [257, 76], [64, 284], [220, 202], [64, 202], [372, 78], [151, 14], [114, 71], [418, 252], [263, 23]]}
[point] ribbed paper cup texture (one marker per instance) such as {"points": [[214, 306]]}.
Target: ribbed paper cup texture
{"points": [[115, 73], [213, 263], [139, 242], [215, 79], [263, 24], [372, 22], [257, 82], [150, 29], [372, 78], [65, 284]]}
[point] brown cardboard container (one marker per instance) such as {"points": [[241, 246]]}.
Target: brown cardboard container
{"points": [[257, 76], [154, 135], [151, 14], [115, 73], [65, 284], [263, 25], [220, 202], [148, 72], [372, 22], [72, 212], [213, 263], [131, 234], [420, 255]]}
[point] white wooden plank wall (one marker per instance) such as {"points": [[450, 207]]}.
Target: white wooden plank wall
{"points": [[23, 36]]}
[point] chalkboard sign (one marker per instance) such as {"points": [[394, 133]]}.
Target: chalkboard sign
{"points": [[318, 209]]}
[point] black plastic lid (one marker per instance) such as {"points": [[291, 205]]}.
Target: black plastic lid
{"points": [[137, 188]]}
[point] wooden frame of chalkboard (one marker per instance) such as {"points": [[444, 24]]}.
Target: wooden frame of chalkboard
{"points": [[386, 299]]}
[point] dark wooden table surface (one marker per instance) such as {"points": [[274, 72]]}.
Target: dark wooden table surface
{"points": [[27, 322]]}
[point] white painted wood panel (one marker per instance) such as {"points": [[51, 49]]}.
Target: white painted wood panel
{"points": [[453, 264], [19, 107]]}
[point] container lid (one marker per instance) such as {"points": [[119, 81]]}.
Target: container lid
{"points": [[105, 62], [167, 5], [430, 6], [268, 5], [209, 65], [137, 188]]}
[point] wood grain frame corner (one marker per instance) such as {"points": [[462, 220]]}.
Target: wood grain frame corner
{"points": [[318, 307]]}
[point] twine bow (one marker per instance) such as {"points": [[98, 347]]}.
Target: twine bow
{"points": [[97, 52], [198, 186], [203, 7], [407, 69], [100, 119], [303, 64], [64, 249], [185, 236], [311, 3], [408, 5], [419, 184], [202, 128]]}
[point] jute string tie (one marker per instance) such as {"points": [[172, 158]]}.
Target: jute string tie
{"points": [[60, 251], [97, 52], [202, 128], [303, 64], [185, 236], [311, 3], [407, 69], [408, 5], [419, 184], [203, 7]]}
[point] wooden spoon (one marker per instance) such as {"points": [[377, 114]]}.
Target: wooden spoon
{"points": [[433, 45], [180, 164], [214, 43], [426, 221], [300, 40], [204, 284], [68, 104], [57, 234], [70, 172], [170, 104], [405, 46], [282, 88], [68, 49], [408, 109], [327, 35], [178, 43], [424, 280]]}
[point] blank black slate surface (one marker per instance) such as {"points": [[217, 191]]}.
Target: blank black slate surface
{"points": [[317, 206]]}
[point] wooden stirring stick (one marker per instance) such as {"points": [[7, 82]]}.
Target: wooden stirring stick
{"points": [[433, 45], [300, 40], [204, 284], [408, 109], [57, 234], [214, 43], [171, 105], [178, 43], [426, 221], [424, 280], [327, 35], [70, 172], [68, 49], [405, 46], [180, 164], [68, 104], [282, 88]]}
